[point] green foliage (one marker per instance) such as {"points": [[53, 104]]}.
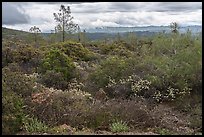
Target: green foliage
{"points": [[17, 90], [163, 131], [12, 112], [119, 48], [62, 107], [76, 51], [25, 55], [177, 64], [130, 86], [136, 73], [119, 126], [196, 117], [54, 79], [113, 67], [65, 23], [33, 125], [15, 81], [55, 60]]}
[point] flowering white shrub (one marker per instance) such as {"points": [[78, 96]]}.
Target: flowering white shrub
{"points": [[135, 84], [141, 87], [171, 94], [157, 96]]}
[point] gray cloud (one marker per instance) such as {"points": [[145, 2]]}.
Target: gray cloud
{"points": [[136, 6], [176, 6], [96, 14], [13, 14], [155, 6], [62, 2]]}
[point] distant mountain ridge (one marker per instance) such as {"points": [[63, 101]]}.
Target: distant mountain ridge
{"points": [[108, 32], [182, 29]]}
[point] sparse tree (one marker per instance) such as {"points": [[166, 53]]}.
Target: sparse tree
{"points": [[118, 37], [131, 38], [35, 30], [83, 36], [174, 27], [79, 32], [64, 19]]}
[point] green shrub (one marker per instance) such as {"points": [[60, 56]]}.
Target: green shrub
{"points": [[55, 60], [7, 56], [15, 81], [113, 67], [25, 55], [33, 125], [163, 131], [119, 126], [53, 79], [176, 65], [117, 48], [130, 86], [57, 107], [12, 112], [76, 51], [17, 89]]}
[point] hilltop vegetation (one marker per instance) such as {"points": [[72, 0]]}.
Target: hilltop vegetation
{"points": [[126, 84]]}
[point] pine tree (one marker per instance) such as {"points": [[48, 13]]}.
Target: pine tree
{"points": [[64, 19]]}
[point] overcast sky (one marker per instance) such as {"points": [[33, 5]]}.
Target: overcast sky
{"points": [[23, 15]]}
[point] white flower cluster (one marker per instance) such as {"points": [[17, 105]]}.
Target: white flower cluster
{"points": [[75, 89], [172, 92], [77, 65], [111, 82], [130, 79], [186, 90], [140, 85], [75, 85], [157, 96], [32, 76], [136, 84], [80, 94]]}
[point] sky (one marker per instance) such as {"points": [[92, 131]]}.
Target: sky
{"points": [[24, 15]]}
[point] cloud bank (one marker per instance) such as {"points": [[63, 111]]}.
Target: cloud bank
{"points": [[23, 15]]}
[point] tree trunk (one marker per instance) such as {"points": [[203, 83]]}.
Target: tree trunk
{"points": [[35, 39], [63, 27]]}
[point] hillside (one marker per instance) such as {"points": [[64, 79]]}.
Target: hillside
{"points": [[125, 85], [12, 33], [182, 29], [107, 32]]}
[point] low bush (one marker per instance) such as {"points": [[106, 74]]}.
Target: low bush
{"points": [[119, 126], [17, 82], [177, 67], [25, 55], [76, 51], [57, 107], [101, 75], [33, 125], [117, 48], [12, 113], [53, 79], [56, 61], [78, 109], [130, 86]]}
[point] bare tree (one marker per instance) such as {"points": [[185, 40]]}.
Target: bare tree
{"points": [[79, 32], [64, 19], [35, 30], [174, 27]]}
